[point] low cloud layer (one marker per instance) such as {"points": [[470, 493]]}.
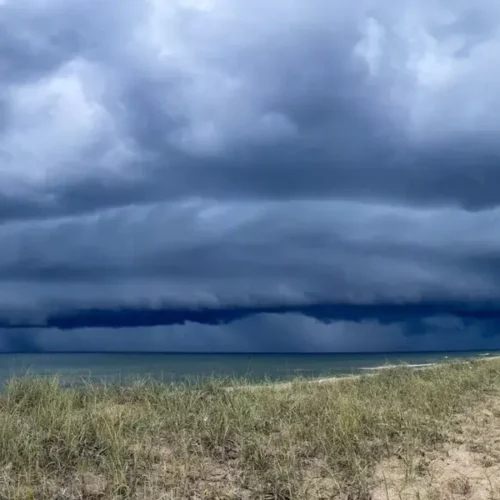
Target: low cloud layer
{"points": [[224, 156], [266, 333]]}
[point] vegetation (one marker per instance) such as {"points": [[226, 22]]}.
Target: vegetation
{"points": [[206, 440]]}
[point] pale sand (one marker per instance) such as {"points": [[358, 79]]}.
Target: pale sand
{"points": [[467, 467]]}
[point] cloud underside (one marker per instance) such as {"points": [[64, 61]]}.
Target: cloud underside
{"points": [[221, 160], [268, 333]]}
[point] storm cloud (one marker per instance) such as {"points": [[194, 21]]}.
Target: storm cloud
{"points": [[198, 164]]}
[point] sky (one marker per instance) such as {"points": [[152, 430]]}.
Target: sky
{"points": [[226, 175]]}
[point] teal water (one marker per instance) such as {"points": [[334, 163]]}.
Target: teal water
{"points": [[120, 368]]}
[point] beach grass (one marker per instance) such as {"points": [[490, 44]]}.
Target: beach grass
{"points": [[230, 440]]}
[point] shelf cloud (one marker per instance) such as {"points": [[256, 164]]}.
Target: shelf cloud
{"points": [[199, 165]]}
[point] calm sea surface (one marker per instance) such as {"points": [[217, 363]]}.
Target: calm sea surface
{"points": [[118, 368]]}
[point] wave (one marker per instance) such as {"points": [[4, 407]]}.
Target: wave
{"points": [[389, 367]]}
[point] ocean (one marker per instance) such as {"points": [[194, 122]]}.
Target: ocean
{"points": [[122, 368]]}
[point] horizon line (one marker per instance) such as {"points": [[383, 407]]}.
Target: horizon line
{"points": [[243, 353]]}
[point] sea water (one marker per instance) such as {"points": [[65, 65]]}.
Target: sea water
{"points": [[116, 368]]}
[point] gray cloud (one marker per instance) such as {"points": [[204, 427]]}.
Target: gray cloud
{"points": [[211, 254], [296, 101], [218, 153]]}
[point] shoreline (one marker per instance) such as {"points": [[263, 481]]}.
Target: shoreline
{"points": [[232, 382], [367, 372]]}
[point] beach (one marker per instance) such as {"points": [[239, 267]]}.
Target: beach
{"points": [[392, 433]]}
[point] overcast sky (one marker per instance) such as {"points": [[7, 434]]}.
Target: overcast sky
{"points": [[249, 175]]}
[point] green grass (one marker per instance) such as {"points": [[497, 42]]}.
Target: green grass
{"points": [[150, 440]]}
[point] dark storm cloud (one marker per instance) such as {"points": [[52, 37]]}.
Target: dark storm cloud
{"points": [[209, 160], [415, 314], [263, 333]]}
